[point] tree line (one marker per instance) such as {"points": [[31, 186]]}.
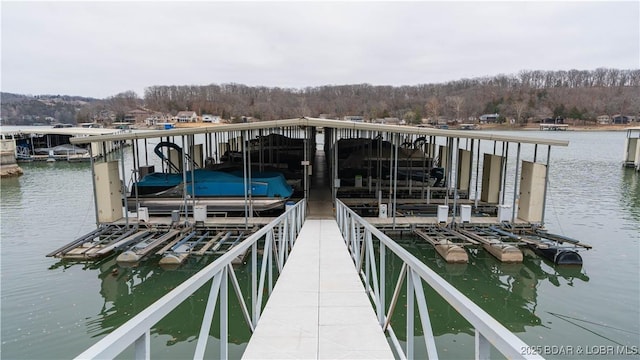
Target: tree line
{"points": [[530, 95], [577, 94]]}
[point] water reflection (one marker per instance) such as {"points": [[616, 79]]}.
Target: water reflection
{"points": [[630, 193], [127, 291], [10, 193], [508, 292]]}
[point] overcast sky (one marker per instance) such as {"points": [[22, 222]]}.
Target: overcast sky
{"points": [[100, 49]]}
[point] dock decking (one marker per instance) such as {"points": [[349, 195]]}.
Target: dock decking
{"points": [[319, 308]]}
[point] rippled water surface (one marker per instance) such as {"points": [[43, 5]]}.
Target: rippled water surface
{"points": [[53, 309]]}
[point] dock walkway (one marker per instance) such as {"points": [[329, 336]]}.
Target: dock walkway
{"points": [[319, 308]]}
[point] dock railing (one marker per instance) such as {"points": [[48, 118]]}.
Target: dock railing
{"points": [[278, 236], [359, 236]]}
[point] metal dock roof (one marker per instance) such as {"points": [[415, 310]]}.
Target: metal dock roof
{"points": [[72, 131], [336, 124]]}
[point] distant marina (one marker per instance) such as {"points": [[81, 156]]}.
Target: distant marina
{"points": [[40, 143]]}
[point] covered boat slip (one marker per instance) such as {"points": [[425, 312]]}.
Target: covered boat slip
{"points": [[42, 143], [380, 164], [321, 306], [399, 177]]}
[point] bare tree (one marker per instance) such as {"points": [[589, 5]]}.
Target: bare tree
{"points": [[456, 104], [519, 108], [433, 109]]}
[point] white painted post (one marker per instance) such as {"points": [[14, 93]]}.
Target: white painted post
{"points": [[423, 311], [482, 347], [410, 315], [224, 315], [208, 317], [143, 346]]}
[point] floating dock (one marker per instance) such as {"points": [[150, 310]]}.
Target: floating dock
{"points": [[449, 188], [140, 242], [447, 243], [398, 177], [554, 127], [494, 243]]}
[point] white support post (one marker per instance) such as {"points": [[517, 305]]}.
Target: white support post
{"points": [[410, 316], [208, 316], [243, 305], [143, 346], [263, 271], [423, 311], [383, 285], [482, 347], [254, 282], [374, 273], [367, 266], [224, 315]]}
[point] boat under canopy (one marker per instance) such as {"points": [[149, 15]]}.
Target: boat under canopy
{"points": [[212, 183]]}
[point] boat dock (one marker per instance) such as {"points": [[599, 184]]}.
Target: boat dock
{"points": [[317, 253], [632, 149], [554, 127], [43, 143]]}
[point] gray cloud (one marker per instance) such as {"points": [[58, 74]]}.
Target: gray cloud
{"points": [[102, 48]]}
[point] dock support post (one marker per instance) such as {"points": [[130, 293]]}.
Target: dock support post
{"points": [[491, 179], [108, 191], [122, 191], [503, 171], [8, 165], [546, 185], [477, 196], [515, 186], [395, 180], [93, 183], [183, 161]]}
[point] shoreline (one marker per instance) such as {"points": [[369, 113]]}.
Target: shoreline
{"points": [[535, 127], [494, 127]]}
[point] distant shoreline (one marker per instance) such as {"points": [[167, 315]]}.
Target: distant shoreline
{"points": [[496, 127], [536, 127]]}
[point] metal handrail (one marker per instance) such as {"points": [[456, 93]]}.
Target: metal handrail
{"points": [[279, 236], [359, 235]]}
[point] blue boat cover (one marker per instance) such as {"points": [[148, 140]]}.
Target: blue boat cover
{"points": [[211, 183]]}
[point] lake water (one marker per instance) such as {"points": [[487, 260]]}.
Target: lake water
{"points": [[52, 309]]}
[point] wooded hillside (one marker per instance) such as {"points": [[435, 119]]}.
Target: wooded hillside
{"points": [[527, 96], [582, 95]]}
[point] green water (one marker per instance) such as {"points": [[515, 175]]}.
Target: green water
{"points": [[51, 309]]}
